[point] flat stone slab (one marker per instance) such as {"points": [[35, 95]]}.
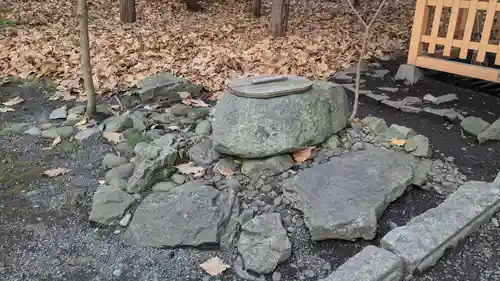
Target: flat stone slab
{"points": [[426, 237], [188, 215], [371, 264], [343, 198]]}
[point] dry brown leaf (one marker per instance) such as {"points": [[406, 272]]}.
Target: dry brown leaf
{"points": [[56, 172], [113, 137], [302, 154], [6, 109], [214, 266], [189, 168], [13, 101], [82, 122], [227, 172], [398, 142], [217, 95], [195, 103]]}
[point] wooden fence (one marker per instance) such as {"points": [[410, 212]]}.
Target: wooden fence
{"points": [[465, 29]]}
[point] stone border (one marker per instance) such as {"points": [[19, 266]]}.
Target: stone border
{"points": [[422, 242]]}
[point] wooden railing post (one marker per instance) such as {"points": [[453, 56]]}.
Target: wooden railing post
{"points": [[419, 25]]}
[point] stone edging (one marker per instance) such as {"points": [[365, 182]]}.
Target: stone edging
{"points": [[422, 241]]}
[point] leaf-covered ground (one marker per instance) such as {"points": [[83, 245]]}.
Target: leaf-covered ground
{"points": [[209, 47]]}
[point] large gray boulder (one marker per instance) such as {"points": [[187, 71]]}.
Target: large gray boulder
{"points": [[343, 198], [263, 243], [152, 163], [188, 215], [109, 203], [254, 128], [165, 86]]}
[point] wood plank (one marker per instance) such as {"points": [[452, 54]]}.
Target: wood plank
{"points": [[451, 28], [463, 4], [464, 69], [471, 17], [456, 43], [485, 34], [435, 26], [416, 33]]}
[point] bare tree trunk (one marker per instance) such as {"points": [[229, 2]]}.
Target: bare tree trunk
{"points": [[83, 14], [279, 17], [366, 36], [256, 4], [127, 10]]}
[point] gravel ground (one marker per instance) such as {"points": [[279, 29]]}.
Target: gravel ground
{"points": [[46, 235]]}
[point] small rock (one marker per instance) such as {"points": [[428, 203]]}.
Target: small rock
{"points": [[327, 267], [264, 243], [410, 100], [494, 221], [198, 113], [87, 133], [34, 132], [203, 128], [389, 89], [108, 204], [59, 113], [379, 73], [164, 186], [377, 97], [332, 142], [393, 104], [409, 73], [179, 109], [117, 272], [117, 123], [449, 114], [474, 125], [125, 147], [342, 77], [246, 215], [440, 99], [77, 110], [122, 172], [410, 109], [126, 219], [276, 276], [118, 183], [267, 166], [224, 164], [309, 273], [421, 172], [203, 153], [178, 178], [414, 142], [392, 225], [111, 161], [352, 88], [490, 133], [375, 125], [358, 146], [62, 132]]}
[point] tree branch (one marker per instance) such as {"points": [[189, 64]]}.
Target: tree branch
{"points": [[366, 36]]}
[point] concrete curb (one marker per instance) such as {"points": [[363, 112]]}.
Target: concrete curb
{"points": [[423, 241], [371, 264]]}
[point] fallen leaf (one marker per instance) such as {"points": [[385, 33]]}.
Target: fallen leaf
{"points": [[13, 101], [195, 103], [184, 95], [398, 142], [56, 172], [82, 122], [190, 168], [217, 95], [302, 154], [113, 137], [56, 141], [214, 266], [227, 172], [6, 109]]}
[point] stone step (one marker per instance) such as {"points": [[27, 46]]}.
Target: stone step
{"points": [[371, 264], [426, 237]]}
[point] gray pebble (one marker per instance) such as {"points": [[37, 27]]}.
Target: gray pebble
{"points": [[117, 272], [276, 276], [178, 178], [34, 132], [111, 161], [206, 278], [309, 273]]}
